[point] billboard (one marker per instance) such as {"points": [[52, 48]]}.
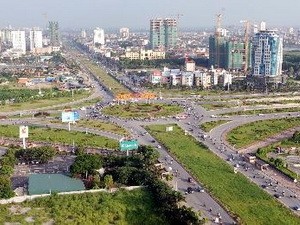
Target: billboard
{"points": [[129, 145], [69, 116], [23, 131]]}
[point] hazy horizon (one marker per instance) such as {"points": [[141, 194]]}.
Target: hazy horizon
{"points": [[136, 14]]}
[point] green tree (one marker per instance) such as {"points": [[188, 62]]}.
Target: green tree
{"points": [[6, 170], [278, 162], [86, 164], [108, 181], [5, 187]]}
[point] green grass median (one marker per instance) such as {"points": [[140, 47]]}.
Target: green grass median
{"points": [[242, 197], [142, 110], [60, 136], [208, 126], [262, 111], [105, 78], [250, 133]]}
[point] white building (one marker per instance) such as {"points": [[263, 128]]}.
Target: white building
{"points": [[262, 25], [35, 39], [99, 36], [18, 40], [202, 79], [83, 34], [190, 65], [225, 79], [124, 33], [187, 79]]}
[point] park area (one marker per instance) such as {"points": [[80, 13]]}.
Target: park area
{"points": [[236, 193], [250, 133], [122, 207], [142, 110], [60, 136]]}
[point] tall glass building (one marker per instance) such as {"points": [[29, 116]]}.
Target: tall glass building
{"points": [[267, 54], [163, 33]]}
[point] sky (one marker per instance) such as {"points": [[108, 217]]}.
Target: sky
{"points": [[136, 14]]}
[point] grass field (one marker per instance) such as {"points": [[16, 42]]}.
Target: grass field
{"points": [[60, 136], [35, 104], [262, 111], [124, 207], [245, 199], [142, 110], [208, 126], [98, 125], [81, 104], [106, 79], [250, 133]]}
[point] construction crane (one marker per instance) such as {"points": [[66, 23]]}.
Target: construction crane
{"points": [[246, 43], [218, 35]]}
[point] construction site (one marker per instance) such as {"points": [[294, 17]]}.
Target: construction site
{"points": [[256, 55]]}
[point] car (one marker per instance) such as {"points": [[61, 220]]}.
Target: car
{"points": [[277, 196], [263, 186], [190, 180], [189, 190], [158, 146], [297, 208], [199, 189]]}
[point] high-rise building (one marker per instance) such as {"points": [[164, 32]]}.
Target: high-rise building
{"points": [[267, 54], [124, 33], [35, 39], [99, 36], [19, 40], [235, 55], [157, 33], [54, 33], [217, 51], [163, 33], [6, 35], [170, 32]]}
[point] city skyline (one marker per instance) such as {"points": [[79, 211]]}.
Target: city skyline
{"points": [[117, 13]]}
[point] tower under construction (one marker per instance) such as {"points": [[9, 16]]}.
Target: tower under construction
{"points": [[163, 33], [54, 33]]}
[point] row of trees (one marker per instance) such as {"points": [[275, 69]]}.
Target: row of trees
{"points": [[291, 63], [7, 163], [160, 63], [138, 169], [37, 154]]}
